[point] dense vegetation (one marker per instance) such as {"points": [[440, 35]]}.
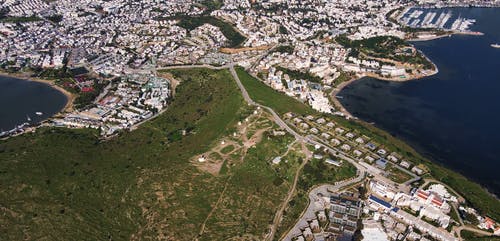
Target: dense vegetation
{"points": [[86, 98], [315, 171], [55, 18], [296, 74], [385, 47], [343, 77], [212, 5], [58, 184], [318, 171], [379, 44], [288, 49], [191, 22]]}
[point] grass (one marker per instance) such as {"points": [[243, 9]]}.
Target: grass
{"points": [[263, 94], [227, 149], [397, 175], [471, 236], [316, 171], [58, 184], [289, 164], [477, 196], [291, 215], [253, 194]]}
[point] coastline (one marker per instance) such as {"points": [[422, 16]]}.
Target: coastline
{"points": [[70, 97], [435, 165], [342, 85], [433, 36]]}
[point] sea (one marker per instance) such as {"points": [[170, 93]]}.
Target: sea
{"points": [[453, 117], [21, 99]]}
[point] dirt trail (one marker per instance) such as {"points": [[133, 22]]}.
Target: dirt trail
{"points": [[291, 192]]}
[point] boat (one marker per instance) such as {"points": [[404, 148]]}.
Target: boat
{"points": [[28, 118], [38, 113], [495, 46]]}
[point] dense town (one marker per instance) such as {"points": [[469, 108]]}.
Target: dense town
{"points": [[275, 45], [305, 49]]}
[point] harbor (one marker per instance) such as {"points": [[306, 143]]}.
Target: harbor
{"points": [[447, 116], [442, 19]]}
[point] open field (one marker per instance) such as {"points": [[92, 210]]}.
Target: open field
{"points": [[263, 94], [397, 175]]}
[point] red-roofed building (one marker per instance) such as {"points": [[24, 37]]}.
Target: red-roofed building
{"points": [[437, 201], [489, 223], [423, 194], [87, 89], [429, 198]]}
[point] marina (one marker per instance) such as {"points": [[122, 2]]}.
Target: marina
{"points": [[444, 19], [448, 116]]}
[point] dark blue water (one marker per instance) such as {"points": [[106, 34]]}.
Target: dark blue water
{"points": [[20, 99], [452, 117]]}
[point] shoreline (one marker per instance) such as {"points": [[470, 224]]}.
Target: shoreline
{"points": [[70, 97], [433, 36], [341, 86], [341, 108]]}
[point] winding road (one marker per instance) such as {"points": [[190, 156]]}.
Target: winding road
{"points": [[312, 140]]}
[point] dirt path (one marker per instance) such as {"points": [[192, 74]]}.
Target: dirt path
{"points": [[458, 230], [247, 143], [203, 225], [279, 214]]}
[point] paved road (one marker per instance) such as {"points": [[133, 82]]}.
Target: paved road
{"points": [[409, 219], [279, 214], [244, 92], [195, 66], [461, 199], [313, 140], [317, 203], [458, 230]]}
